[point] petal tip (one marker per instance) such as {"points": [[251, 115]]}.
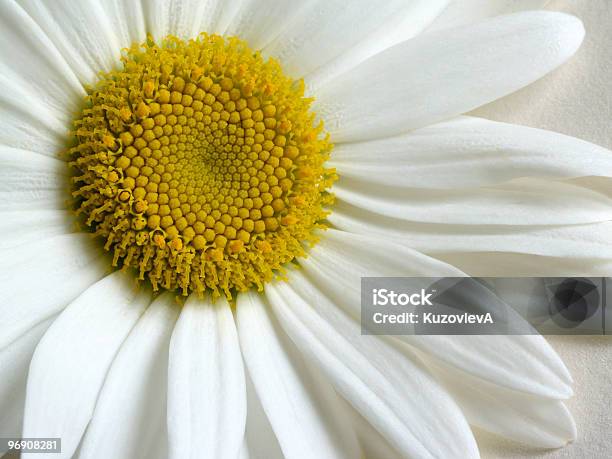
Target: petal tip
{"points": [[565, 30], [566, 392], [567, 428]]}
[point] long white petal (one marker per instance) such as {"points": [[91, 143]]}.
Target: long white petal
{"points": [[127, 20], [186, 19], [206, 389], [395, 394], [509, 264], [38, 280], [440, 75], [260, 21], [524, 201], [130, 414], [508, 250], [31, 181], [409, 21], [71, 361], [15, 361], [260, 438], [329, 29], [469, 152], [589, 242], [538, 422], [81, 31], [524, 363], [306, 424], [462, 12], [29, 226], [373, 444], [40, 91]]}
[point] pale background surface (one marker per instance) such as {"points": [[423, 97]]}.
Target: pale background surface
{"points": [[576, 100]]}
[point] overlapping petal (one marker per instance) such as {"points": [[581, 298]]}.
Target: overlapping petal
{"points": [[30, 226], [72, 360], [15, 362], [31, 181], [468, 152], [328, 37], [38, 280], [439, 75], [395, 394], [519, 202], [588, 242], [462, 12], [206, 388], [40, 90], [537, 422], [304, 413], [130, 415], [81, 31], [260, 438], [522, 363]]}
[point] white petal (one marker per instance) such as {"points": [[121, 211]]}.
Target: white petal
{"points": [[589, 242], [524, 363], [306, 423], [206, 391], [372, 443], [40, 91], [469, 152], [440, 75], [508, 264], [130, 414], [15, 361], [340, 259], [31, 181], [220, 22], [186, 19], [406, 23], [38, 280], [127, 20], [577, 250], [244, 451], [327, 29], [260, 21], [81, 31], [260, 438], [401, 400], [520, 417], [28, 125], [29, 226], [519, 202], [71, 362], [462, 12]]}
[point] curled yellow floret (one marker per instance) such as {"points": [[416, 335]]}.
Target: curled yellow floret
{"points": [[201, 165]]}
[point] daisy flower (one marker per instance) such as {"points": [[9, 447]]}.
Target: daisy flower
{"points": [[192, 190]]}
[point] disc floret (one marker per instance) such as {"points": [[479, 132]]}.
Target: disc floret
{"points": [[201, 165]]}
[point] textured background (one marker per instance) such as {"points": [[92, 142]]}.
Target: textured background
{"points": [[576, 100]]}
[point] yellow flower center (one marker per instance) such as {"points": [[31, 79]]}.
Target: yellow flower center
{"points": [[201, 165]]}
